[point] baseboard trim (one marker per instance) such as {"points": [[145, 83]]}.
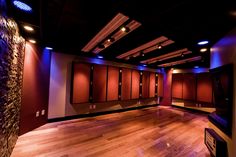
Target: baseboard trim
{"points": [[98, 113]]}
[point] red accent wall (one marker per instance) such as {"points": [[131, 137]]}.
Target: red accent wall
{"points": [[81, 82], [35, 89], [99, 83], [177, 86], [189, 87], [113, 83], [135, 84], [152, 85], [204, 87], [145, 85], [126, 84], [167, 80]]}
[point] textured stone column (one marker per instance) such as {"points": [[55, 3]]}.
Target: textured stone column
{"points": [[11, 69]]}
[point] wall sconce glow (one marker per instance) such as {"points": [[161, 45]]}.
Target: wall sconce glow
{"points": [[48, 48], [22, 6], [203, 42], [100, 57], [196, 67], [32, 41], [203, 50], [28, 28]]}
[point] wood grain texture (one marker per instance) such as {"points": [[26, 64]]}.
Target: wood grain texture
{"points": [[153, 132]]}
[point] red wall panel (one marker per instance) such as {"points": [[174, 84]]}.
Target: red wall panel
{"points": [[81, 82], [152, 85], [113, 83], [126, 84], [160, 91], [189, 86], [166, 79], [99, 83], [204, 87], [135, 84], [145, 85], [177, 86]]}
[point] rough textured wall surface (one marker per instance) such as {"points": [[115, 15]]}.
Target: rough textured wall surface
{"points": [[11, 69]]}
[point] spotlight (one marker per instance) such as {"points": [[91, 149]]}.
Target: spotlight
{"points": [[22, 6], [100, 57], [48, 48], [28, 28], [144, 65], [142, 54], [125, 29], [203, 50], [203, 42], [111, 39], [196, 67], [182, 55], [159, 46]]}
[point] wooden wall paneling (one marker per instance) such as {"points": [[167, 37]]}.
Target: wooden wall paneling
{"points": [[160, 91], [189, 86], [126, 84], [177, 86], [81, 83], [99, 83], [145, 84], [135, 84], [113, 83], [152, 85], [204, 88]]}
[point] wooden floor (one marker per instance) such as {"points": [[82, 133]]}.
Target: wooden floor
{"points": [[153, 132]]}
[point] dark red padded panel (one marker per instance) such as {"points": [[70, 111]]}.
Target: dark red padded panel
{"points": [[189, 86], [135, 84], [81, 82], [177, 86], [99, 83], [160, 91], [113, 83], [126, 84], [204, 87], [152, 85], [145, 85]]}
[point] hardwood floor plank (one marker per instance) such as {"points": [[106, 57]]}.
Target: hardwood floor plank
{"points": [[153, 132]]}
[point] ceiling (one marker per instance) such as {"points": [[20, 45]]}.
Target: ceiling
{"points": [[69, 25]]}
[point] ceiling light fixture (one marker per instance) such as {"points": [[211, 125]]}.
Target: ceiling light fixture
{"points": [[48, 48], [196, 67], [203, 50], [28, 28], [125, 29], [32, 41], [203, 42], [159, 46], [22, 6], [100, 57]]}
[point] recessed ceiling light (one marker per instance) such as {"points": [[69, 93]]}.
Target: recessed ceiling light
{"points": [[203, 50], [203, 42], [100, 57], [28, 28], [123, 29], [48, 48], [32, 41], [159, 46], [22, 6]]}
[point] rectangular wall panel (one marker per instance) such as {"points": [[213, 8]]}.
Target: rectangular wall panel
{"points": [[81, 82], [126, 84], [177, 86], [135, 84], [113, 83], [152, 85], [189, 86], [204, 88], [160, 91], [99, 83], [145, 85]]}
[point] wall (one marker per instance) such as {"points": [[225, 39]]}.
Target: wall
{"points": [[167, 81], [224, 52], [60, 89], [11, 69], [35, 88]]}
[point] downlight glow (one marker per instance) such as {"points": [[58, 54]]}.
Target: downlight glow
{"points": [[22, 6], [203, 42]]}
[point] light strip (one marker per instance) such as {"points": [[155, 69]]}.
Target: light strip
{"points": [[114, 24], [181, 61], [118, 35], [142, 47], [179, 52]]}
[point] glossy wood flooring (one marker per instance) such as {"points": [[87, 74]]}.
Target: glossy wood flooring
{"points": [[153, 132]]}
